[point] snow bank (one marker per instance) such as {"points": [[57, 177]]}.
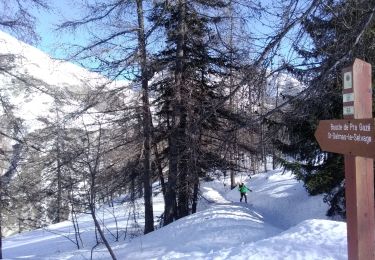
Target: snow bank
{"points": [[195, 236], [311, 239]]}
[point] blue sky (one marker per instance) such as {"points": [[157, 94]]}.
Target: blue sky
{"points": [[63, 10], [47, 22]]}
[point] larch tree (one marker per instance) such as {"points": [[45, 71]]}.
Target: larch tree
{"points": [[119, 51], [147, 120]]}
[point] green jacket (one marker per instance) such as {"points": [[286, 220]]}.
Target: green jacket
{"points": [[243, 188]]}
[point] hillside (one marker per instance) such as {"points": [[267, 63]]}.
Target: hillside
{"points": [[36, 83], [40, 96], [280, 222]]}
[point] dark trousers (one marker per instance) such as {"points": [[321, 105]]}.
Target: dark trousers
{"points": [[243, 194]]}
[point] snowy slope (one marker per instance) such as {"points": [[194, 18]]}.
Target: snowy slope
{"points": [[280, 222], [55, 73], [33, 81]]}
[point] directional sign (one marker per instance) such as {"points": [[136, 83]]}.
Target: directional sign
{"points": [[347, 136]]}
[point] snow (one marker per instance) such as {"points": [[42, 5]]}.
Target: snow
{"points": [[55, 73], [311, 239], [52, 80], [280, 221]]}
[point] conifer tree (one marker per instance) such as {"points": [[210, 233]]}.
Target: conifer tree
{"points": [[340, 31], [192, 68], [128, 60]]}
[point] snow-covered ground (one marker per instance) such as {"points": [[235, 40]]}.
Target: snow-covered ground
{"points": [[280, 221]]}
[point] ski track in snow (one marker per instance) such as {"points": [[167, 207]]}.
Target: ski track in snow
{"points": [[280, 221]]}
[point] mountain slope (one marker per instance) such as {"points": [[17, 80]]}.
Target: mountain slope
{"points": [[36, 84]]}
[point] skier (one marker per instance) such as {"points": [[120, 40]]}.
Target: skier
{"points": [[243, 189]]}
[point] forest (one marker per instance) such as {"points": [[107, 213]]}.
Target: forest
{"points": [[176, 90]]}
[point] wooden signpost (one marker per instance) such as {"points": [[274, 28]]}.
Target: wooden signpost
{"points": [[354, 137]]}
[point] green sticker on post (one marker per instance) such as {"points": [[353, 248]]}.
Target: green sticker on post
{"points": [[348, 80], [349, 97], [348, 110]]}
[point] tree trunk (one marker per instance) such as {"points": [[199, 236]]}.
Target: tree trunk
{"points": [[262, 130], [175, 139], [183, 200], [274, 157], [102, 236], [149, 214], [159, 168], [170, 193], [59, 188], [183, 189], [232, 146], [195, 194]]}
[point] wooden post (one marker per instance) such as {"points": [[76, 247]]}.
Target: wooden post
{"points": [[359, 178]]}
